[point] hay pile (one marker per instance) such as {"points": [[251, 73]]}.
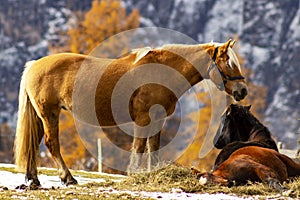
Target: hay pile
{"points": [[163, 180], [173, 176]]}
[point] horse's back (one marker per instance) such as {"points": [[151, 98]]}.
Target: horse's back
{"points": [[50, 80], [293, 168], [280, 163], [262, 155], [54, 66], [247, 161]]}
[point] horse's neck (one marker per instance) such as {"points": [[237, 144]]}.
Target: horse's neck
{"points": [[196, 57], [259, 132], [249, 126]]}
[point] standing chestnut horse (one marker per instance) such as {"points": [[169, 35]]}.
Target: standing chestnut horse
{"points": [[47, 87], [240, 128]]}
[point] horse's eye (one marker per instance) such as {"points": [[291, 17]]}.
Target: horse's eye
{"points": [[228, 65]]}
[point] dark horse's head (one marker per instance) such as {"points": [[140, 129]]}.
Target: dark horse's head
{"points": [[234, 126]]}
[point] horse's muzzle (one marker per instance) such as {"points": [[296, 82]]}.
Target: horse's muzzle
{"points": [[239, 95]]}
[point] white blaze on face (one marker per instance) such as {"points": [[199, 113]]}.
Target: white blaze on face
{"points": [[202, 180]]}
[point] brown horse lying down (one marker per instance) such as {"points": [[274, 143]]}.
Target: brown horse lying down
{"points": [[253, 163], [240, 128]]}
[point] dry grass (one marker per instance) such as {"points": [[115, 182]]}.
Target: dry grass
{"points": [[180, 177], [162, 180]]}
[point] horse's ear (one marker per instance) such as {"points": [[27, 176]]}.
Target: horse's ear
{"points": [[230, 109], [232, 43], [228, 44], [224, 47], [248, 107]]}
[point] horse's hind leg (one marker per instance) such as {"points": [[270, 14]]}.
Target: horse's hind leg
{"points": [[31, 171], [52, 142], [274, 183], [270, 177]]}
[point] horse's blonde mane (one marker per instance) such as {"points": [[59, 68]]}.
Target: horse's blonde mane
{"points": [[233, 58], [140, 53]]}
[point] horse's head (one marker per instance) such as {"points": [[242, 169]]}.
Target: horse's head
{"points": [[207, 178], [229, 130], [225, 70]]}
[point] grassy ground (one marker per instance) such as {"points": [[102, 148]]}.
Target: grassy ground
{"points": [[181, 177], [163, 180]]}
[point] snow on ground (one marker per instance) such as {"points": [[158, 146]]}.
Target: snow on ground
{"points": [[12, 180]]}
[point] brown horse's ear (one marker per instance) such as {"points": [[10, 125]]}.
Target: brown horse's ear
{"points": [[248, 107], [230, 109]]}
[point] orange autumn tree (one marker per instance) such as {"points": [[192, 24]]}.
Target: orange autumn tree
{"points": [[202, 119], [106, 18]]}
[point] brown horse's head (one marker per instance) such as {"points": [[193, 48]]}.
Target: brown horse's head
{"points": [[225, 71], [234, 117], [207, 177]]}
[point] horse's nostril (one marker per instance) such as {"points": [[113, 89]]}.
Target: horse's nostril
{"points": [[244, 92]]}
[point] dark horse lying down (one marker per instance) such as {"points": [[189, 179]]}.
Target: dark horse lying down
{"points": [[249, 152], [255, 164], [239, 128]]}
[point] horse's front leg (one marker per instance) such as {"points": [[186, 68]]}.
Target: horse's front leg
{"points": [[137, 151], [154, 144], [153, 149]]}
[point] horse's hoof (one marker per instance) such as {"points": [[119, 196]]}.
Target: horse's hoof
{"points": [[34, 184], [3, 188], [71, 181], [21, 187]]}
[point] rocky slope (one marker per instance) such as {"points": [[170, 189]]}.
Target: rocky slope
{"points": [[268, 32]]}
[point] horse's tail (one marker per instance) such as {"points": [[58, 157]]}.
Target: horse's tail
{"points": [[29, 126], [293, 168]]}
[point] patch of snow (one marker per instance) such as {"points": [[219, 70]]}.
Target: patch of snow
{"points": [[42, 2], [41, 45], [230, 14], [295, 25], [151, 8], [146, 22], [16, 179], [260, 55], [190, 6], [279, 100]]}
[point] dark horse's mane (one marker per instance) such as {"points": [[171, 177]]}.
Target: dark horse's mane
{"points": [[259, 135]]}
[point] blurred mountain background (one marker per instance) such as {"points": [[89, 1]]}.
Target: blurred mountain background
{"points": [[268, 34]]}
